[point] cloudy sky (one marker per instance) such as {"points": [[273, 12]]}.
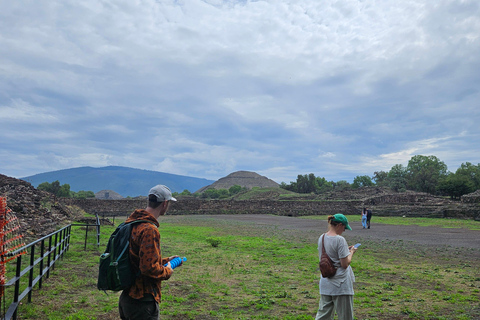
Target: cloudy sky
{"points": [[204, 88]]}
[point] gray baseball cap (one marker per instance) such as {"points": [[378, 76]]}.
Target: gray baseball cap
{"points": [[162, 193]]}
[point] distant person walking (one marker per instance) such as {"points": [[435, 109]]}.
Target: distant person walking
{"points": [[369, 217], [364, 218], [336, 293], [140, 301]]}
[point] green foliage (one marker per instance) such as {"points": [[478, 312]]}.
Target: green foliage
{"points": [[213, 241], [215, 194], [380, 178], [309, 184], [362, 181], [63, 191], [222, 193], [456, 185], [342, 185], [82, 194], [322, 185], [183, 193], [55, 188], [235, 189], [470, 171], [397, 178], [424, 173]]}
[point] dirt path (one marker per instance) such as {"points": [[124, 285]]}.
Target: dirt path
{"points": [[426, 236]]}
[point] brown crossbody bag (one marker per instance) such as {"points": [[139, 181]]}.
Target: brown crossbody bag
{"points": [[327, 268]]}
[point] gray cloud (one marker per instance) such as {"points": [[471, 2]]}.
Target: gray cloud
{"points": [[205, 88]]}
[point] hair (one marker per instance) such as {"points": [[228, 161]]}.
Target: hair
{"points": [[332, 222], [152, 201]]}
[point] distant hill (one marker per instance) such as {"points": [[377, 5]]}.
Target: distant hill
{"points": [[123, 180], [246, 179]]}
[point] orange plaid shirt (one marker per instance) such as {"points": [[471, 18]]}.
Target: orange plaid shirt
{"points": [[146, 256]]}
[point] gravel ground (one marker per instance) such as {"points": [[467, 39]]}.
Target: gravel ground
{"points": [[311, 229]]}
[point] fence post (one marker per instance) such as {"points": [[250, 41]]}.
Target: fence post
{"points": [[86, 236], [69, 235], [42, 253], [98, 230], [30, 273], [55, 251], [17, 284], [49, 255], [63, 234]]}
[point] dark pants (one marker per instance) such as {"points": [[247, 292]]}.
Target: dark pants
{"points": [[134, 309], [369, 216]]}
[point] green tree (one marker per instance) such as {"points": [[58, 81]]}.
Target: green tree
{"points": [[44, 186], [223, 193], [322, 185], [362, 181], [397, 178], [380, 178], [456, 185], [424, 173], [215, 194], [55, 188], [472, 172], [303, 184], [185, 193], [210, 194], [63, 191], [290, 187], [341, 185], [235, 189], [82, 194]]}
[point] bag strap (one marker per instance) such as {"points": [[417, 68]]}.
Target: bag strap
{"points": [[323, 247], [130, 242], [139, 221], [323, 244]]}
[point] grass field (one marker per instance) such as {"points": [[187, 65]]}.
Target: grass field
{"points": [[240, 271]]}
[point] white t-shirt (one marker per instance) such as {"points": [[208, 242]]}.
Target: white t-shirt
{"points": [[342, 283]]}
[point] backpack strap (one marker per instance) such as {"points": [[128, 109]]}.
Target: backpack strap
{"points": [[130, 242], [140, 221]]}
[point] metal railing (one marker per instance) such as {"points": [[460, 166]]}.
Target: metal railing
{"points": [[52, 247]]}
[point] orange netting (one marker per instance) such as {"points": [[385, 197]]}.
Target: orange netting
{"points": [[10, 239]]}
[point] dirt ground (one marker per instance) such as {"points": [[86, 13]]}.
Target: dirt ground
{"points": [[311, 229]]}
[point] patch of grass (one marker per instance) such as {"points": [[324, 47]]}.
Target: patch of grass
{"points": [[214, 242], [263, 272], [407, 221], [257, 192]]}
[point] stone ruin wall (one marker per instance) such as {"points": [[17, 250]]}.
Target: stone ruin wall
{"points": [[472, 197], [410, 205]]}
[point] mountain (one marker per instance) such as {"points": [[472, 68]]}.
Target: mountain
{"points": [[123, 180], [246, 179]]}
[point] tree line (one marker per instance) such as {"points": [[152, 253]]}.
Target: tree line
{"points": [[213, 193], [422, 173], [63, 191]]}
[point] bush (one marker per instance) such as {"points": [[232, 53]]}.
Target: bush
{"points": [[214, 242]]}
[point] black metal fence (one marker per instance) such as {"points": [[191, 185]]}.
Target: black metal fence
{"points": [[52, 247]]}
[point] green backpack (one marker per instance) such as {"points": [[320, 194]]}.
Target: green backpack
{"points": [[115, 272]]}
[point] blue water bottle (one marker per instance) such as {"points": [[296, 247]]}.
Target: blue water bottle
{"points": [[175, 262]]}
